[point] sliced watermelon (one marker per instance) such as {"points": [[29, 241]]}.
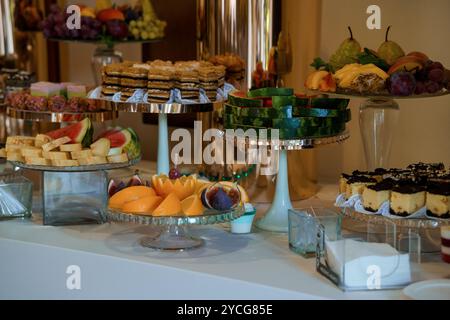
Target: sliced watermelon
{"points": [[80, 132], [126, 139]]}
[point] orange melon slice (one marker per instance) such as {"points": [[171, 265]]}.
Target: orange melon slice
{"points": [[171, 206], [182, 187], [192, 206], [129, 194], [142, 205]]}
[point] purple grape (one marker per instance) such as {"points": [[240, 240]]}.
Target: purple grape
{"points": [[432, 87], [74, 34], [436, 65], [420, 88], [59, 18], [402, 84], [54, 8], [436, 75]]}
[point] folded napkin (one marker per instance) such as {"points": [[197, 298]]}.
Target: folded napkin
{"points": [[95, 93], [138, 96], [341, 202]]}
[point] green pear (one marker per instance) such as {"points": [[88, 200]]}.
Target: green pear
{"points": [[346, 53], [390, 51]]}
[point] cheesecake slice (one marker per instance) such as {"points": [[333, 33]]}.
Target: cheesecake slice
{"points": [[356, 185], [343, 182], [375, 195], [406, 199], [438, 200]]}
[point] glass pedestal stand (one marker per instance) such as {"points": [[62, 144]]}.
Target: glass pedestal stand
{"points": [[276, 218], [103, 55], [174, 234], [163, 110], [378, 118]]}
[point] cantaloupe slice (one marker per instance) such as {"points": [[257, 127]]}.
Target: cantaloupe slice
{"points": [[182, 187], [144, 205], [192, 206], [129, 194], [171, 206]]}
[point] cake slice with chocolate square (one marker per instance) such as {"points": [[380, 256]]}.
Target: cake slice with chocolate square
{"points": [[438, 200], [375, 195], [406, 199], [356, 185]]}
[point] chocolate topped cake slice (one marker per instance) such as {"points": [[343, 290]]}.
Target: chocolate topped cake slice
{"points": [[375, 195], [438, 200], [343, 182], [406, 199], [356, 185]]}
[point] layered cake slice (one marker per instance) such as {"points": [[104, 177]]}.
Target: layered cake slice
{"points": [[133, 78], [438, 200], [111, 79], [406, 198], [375, 195], [209, 81], [160, 82], [188, 82], [356, 185], [445, 238]]}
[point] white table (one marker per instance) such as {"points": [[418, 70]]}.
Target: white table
{"points": [[34, 260]]}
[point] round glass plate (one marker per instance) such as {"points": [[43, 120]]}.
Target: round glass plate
{"points": [[162, 108], [294, 144], [386, 95], [95, 167], [174, 234], [58, 117], [402, 223]]}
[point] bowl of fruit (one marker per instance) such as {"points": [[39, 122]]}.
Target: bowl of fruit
{"points": [[388, 71], [106, 23]]}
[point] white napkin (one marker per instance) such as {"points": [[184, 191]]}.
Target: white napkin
{"points": [[116, 97], [222, 93], [138, 96], [341, 202], [95, 93], [354, 262], [202, 97]]}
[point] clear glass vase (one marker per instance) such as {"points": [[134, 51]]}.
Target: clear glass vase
{"points": [[103, 56], [377, 120]]}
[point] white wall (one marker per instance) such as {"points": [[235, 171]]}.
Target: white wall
{"points": [[423, 131]]}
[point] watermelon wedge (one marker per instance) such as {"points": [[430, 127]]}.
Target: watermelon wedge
{"points": [[80, 132], [126, 139]]}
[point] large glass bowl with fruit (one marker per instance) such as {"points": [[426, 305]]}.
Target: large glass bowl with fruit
{"points": [[173, 203]]}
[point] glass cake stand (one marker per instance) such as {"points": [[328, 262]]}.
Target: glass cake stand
{"points": [[175, 235], [378, 116], [60, 117], [162, 109], [276, 218], [74, 195]]}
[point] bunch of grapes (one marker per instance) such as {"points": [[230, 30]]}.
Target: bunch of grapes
{"points": [[117, 29], [146, 28], [432, 78], [54, 26]]}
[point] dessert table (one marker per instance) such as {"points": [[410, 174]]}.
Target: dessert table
{"points": [[35, 260]]}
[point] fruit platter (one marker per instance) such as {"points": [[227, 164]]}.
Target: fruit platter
{"points": [[73, 148], [174, 202], [106, 23], [388, 72]]}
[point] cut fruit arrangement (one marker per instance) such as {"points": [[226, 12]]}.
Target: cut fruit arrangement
{"points": [[106, 22], [387, 71], [174, 197], [73, 146]]}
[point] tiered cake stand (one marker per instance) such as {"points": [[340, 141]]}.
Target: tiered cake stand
{"points": [[276, 218], [162, 109]]}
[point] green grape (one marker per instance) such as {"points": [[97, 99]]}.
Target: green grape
{"points": [[135, 32], [140, 24], [133, 23], [144, 35], [147, 18], [152, 35]]}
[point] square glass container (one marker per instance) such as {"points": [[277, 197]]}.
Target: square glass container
{"points": [[73, 198], [303, 228], [374, 260], [16, 193]]}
